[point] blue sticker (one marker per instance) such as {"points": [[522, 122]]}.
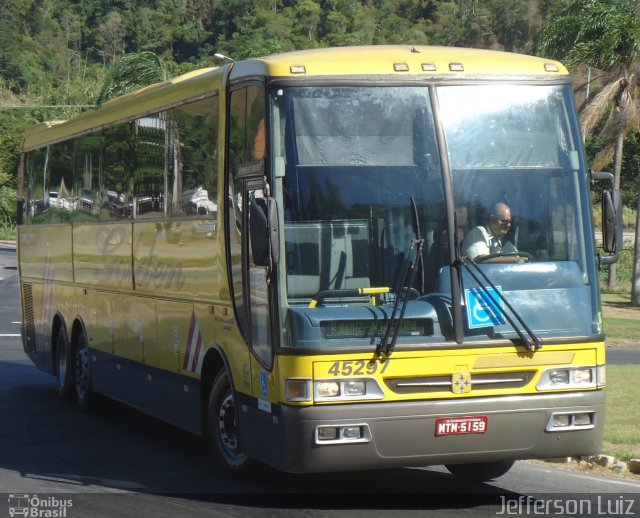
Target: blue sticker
{"points": [[263, 384], [484, 308]]}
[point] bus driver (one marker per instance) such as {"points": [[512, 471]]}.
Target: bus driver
{"points": [[490, 239]]}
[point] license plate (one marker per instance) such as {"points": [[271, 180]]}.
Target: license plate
{"points": [[461, 425]]}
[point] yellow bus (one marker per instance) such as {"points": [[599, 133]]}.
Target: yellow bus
{"points": [[274, 254]]}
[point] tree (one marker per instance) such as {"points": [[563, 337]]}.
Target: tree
{"points": [[111, 36], [605, 35], [133, 71]]}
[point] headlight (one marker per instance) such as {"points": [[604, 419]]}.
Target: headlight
{"points": [[559, 377], [328, 389], [355, 388], [583, 376], [568, 378], [347, 389]]}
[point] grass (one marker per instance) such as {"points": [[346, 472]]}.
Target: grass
{"points": [[622, 329], [621, 321], [7, 234], [616, 298], [621, 430]]}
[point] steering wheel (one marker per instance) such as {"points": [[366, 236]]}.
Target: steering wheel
{"points": [[524, 256]]}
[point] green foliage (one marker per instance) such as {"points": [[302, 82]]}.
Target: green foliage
{"points": [[624, 271], [597, 34], [131, 73], [7, 207]]}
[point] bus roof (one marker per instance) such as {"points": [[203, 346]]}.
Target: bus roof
{"points": [[411, 62], [408, 60]]}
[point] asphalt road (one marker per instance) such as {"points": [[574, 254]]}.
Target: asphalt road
{"points": [[623, 355], [117, 462]]}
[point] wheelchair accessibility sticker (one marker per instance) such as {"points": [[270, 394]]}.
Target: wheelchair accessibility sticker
{"points": [[484, 307]]}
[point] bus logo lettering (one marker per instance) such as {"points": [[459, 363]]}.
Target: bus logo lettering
{"points": [[153, 271]]}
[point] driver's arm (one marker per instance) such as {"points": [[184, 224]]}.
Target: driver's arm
{"points": [[477, 249]]}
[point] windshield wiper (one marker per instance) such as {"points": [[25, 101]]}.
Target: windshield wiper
{"points": [[532, 341], [386, 346]]}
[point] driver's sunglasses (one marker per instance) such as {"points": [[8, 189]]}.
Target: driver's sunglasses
{"points": [[503, 221]]}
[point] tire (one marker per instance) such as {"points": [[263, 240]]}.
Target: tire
{"points": [[221, 428], [82, 374], [480, 472], [64, 370]]}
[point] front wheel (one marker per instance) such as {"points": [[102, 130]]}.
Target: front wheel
{"points": [[222, 428], [480, 472]]}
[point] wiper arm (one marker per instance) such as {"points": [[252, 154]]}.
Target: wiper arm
{"points": [[386, 347], [533, 342]]}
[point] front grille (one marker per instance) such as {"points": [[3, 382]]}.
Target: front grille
{"points": [[484, 381]]}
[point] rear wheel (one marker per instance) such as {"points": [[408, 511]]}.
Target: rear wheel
{"points": [[64, 370], [222, 427], [82, 373], [480, 472]]}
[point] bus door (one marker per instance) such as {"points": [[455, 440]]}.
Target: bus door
{"points": [[251, 290]]}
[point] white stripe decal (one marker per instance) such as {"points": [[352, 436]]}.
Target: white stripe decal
{"points": [[193, 356]]}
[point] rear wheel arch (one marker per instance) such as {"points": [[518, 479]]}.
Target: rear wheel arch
{"points": [[76, 330]]}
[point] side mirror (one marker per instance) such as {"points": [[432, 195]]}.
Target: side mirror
{"points": [[263, 231], [611, 219]]}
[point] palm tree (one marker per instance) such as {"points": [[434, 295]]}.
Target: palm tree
{"points": [[605, 35], [132, 72]]}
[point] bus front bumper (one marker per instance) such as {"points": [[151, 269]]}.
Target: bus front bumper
{"points": [[404, 434]]}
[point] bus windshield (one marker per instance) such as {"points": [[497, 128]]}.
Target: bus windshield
{"points": [[359, 175]]}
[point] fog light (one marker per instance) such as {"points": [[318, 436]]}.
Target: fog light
{"points": [[582, 376], [582, 419], [327, 433], [352, 432], [561, 420], [355, 388], [559, 377], [328, 389]]}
